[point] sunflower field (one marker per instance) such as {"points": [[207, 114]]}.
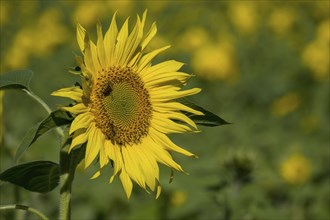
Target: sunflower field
{"points": [[262, 66]]}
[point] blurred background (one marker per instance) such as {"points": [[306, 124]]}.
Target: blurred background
{"points": [[263, 66]]}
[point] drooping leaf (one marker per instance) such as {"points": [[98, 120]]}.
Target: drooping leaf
{"points": [[208, 119], [37, 176], [55, 119], [18, 79]]}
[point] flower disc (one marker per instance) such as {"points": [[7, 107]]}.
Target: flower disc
{"points": [[121, 106]]}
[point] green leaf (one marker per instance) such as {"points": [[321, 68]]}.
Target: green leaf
{"points": [[77, 155], [37, 176], [208, 119], [55, 119], [18, 79]]}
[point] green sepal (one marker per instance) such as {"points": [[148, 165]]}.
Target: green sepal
{"points": [[37, 176], [55, 119], [18, 79]]}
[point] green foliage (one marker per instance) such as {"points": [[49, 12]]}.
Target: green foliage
{"points": [[208, 119], [18, 79], [55, 119], [37, 176]]}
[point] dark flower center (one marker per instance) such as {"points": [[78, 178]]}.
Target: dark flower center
{"points": [[121, 106]]}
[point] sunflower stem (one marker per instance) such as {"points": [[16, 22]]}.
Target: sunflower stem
{"points": [[45, 106], [26, 208], [67, 170]]}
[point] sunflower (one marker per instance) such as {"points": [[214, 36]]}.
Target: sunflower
{"points": [[126, 106]]}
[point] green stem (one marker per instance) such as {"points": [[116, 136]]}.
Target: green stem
{"points": [[66, 178], [68, 164], [26, 208], [41, 102], [45, 106]]}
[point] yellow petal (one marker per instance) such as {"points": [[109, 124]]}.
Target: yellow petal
{"points": [[169, 95], [74, 93], [161, 155], [173, 78], [121, 42], [118, 160], [146, 59], [181, 117], [100, 46], [152, 32], [104, 159], [159, 190], [167, 143], [79, 137], [76, 109], [95, 140], [163, 67], [167, 126], [132, 43], [132, 63], [110, 41], [88, 57], [144, 16], [97, 174], [81, 32], [168, 107], [131, 165], [95, 58], [81, 121], [148, 166], [127, 183]]}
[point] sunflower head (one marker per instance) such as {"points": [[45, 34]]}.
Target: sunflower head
{"points": [[126, 106]]}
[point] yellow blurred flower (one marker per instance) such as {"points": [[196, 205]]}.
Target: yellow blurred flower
{"points": [[285, 104], [124, 6], [193, 38], [296, 169], [282, 19], [4, 12], [216, 62], [244, 16], [49, 32], [88, 12], [178, 198], [323, 31], [38, 40], [316, 54]]}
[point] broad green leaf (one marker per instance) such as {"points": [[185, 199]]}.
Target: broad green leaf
{"points": [[18, 79], [37, 176], [208, 119], [55, 119]]}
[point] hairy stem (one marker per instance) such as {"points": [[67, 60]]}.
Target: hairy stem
{"points": [[68, 164], [26, 208], [66, 179]]}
